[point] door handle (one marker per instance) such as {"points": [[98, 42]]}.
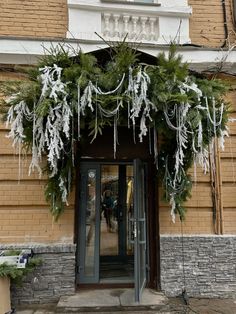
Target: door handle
{"points": [[135, 229]]}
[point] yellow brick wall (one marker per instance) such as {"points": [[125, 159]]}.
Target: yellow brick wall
{"points": [[228, 172], [206, 23], [23, 223], [24, 213], [49, 18], [199, 217], [36, 18]]}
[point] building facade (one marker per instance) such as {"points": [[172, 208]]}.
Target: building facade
{"points": [[198, 254]]}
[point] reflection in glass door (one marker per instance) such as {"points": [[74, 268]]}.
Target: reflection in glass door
{"points": [[89, 217], [107, 223], [116, 244]]}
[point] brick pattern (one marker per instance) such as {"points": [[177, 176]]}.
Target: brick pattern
{"points": [[197, 221], [36, 18], [28, 198], [228, 171], [199, 217], [9, 168], [48, 18], [25, 215], [206, 23], [22, 224], [209, 264]]}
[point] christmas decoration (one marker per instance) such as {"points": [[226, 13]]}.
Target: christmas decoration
{"points": [[65, 95]]}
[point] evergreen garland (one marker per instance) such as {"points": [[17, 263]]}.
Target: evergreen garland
{"points": [[16, 274], [65, 95]]}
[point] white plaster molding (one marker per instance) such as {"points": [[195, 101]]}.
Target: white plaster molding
{"points": [[179, 10], [157, 23], [27, 51]]}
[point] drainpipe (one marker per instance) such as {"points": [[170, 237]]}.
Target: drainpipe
{"points": [[225, 23]]}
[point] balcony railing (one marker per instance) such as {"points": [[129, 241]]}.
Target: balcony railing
{"points": [[139, 21], [135, 27]]}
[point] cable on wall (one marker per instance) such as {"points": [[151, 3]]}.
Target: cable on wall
{"points": [[225, 22]]}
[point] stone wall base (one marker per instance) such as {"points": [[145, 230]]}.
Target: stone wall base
{"points": [[209, 264], [48, 282], [206, 268]]}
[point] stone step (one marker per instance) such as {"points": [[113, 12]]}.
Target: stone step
{"points": [[145, 311], [113, 310], [111, 301], [106, 312]]}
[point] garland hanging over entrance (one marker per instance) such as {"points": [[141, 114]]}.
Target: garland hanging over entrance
{"points": [[65, 95]]}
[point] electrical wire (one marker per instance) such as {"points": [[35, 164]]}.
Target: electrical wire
{"points": [[225, 23]]}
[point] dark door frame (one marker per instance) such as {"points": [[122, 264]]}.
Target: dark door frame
{"points": [[101, 150], [153, 234]]}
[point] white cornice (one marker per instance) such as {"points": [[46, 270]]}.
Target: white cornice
{"points": [[180, 11], [27, 51]]}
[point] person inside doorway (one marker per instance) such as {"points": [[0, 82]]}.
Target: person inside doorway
{"points": [[108, 206]]}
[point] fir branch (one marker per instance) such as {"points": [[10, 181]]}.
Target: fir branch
{"points": [[65, 94]]}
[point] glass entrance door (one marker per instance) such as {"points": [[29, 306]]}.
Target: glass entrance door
{"points": [[89, 219], [116, 243], [112, 227]]}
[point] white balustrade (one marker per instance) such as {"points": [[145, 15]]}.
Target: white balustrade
{"points": [[106, 29], [135, 28], [156, 22]]}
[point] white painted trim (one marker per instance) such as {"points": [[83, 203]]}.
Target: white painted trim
{"points": [[27, 51], [154, 24], [174, 11]]}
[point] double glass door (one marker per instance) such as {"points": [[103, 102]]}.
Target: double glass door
{"points": [[112, 224]]}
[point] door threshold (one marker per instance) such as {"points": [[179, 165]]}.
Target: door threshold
{"points": [[113, 299], [105, 285], [111, 281]]}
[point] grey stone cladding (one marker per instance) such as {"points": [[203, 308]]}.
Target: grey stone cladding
{"points": [[51, 280], [209, 264]]}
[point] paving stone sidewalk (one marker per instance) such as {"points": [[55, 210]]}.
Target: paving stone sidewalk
{"points": [[173, 306]]}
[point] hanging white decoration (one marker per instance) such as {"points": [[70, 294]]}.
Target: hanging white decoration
{"points": [[64, 191], [53, 131], [173, 207], [15, 117], [137, 90], [52, 86], [36, 151], [223, 134]]}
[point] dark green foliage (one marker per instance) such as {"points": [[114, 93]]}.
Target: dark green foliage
{"points": [[166, 77], [11, 252], [17, 274]]}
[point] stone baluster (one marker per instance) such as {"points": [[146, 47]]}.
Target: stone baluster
{"points": [[116, 25], [152, 21], [143, 27], [106, 24], [126, 25], [134, 26]]}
